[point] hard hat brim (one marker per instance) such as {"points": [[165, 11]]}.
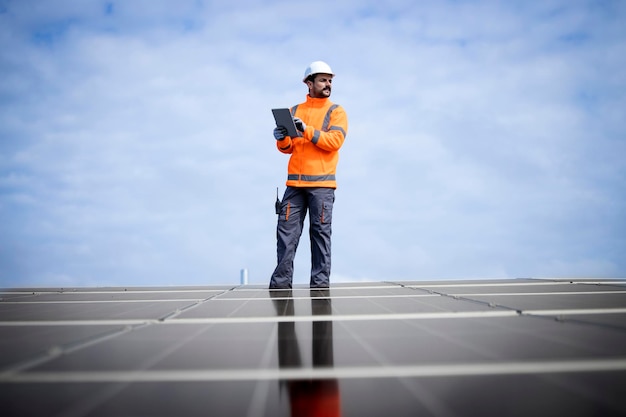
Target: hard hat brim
{"points": [[304, 80]]}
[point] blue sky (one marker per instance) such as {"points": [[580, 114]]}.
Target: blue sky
{"points": [[486, 138]]}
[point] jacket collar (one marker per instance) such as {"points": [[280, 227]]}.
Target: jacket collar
{"points": [[316, 102]]}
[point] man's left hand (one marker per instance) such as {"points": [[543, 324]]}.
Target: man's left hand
{"points": [[299, 124]]}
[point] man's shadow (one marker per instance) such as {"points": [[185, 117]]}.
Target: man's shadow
{"points": [[308, 397]]}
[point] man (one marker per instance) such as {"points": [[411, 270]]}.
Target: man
{"points": [[311, 184]]}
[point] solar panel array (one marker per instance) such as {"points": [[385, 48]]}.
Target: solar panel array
{"points": [[441, 348]]}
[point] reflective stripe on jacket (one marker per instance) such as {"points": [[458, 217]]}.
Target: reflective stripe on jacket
{"points": [[314, 155]]}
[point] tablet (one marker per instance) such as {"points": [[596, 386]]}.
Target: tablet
{"points": [[283, 118]]}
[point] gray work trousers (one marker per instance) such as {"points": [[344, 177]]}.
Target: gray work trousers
{"points": [[296, 202]]}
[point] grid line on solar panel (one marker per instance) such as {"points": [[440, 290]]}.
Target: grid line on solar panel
{"points": [[120, 291], [535, 293], [333, 297], [404, 371], [101, 301], [333, 317], [512, 284]]}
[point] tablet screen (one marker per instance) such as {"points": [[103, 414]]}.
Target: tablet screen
{"points": [[283, 118]]}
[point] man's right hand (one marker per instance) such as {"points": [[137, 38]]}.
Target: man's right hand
{"points": [[280, 132]]}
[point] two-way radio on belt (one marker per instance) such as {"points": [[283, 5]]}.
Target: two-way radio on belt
{"points": [[277, 204]]}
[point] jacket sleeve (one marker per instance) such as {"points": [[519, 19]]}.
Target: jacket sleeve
{"points": [[285, 145], [332, 138]]}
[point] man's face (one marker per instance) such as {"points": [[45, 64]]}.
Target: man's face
{"points": [[321, 86]]}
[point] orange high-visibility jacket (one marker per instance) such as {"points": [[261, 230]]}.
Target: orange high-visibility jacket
{"points": [[314, 155]]}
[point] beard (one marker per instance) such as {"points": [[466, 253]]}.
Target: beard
{"points": [[325, 92]]}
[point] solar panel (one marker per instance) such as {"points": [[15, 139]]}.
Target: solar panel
{"points": [[436, 348]]}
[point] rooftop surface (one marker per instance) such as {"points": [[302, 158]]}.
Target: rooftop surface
{"points": [[519, 347]]}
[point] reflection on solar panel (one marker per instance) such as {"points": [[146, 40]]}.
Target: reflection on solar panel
{"points": [[521, 347]]}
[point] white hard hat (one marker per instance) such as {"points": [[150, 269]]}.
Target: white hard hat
{"points": [[317, 67]]}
